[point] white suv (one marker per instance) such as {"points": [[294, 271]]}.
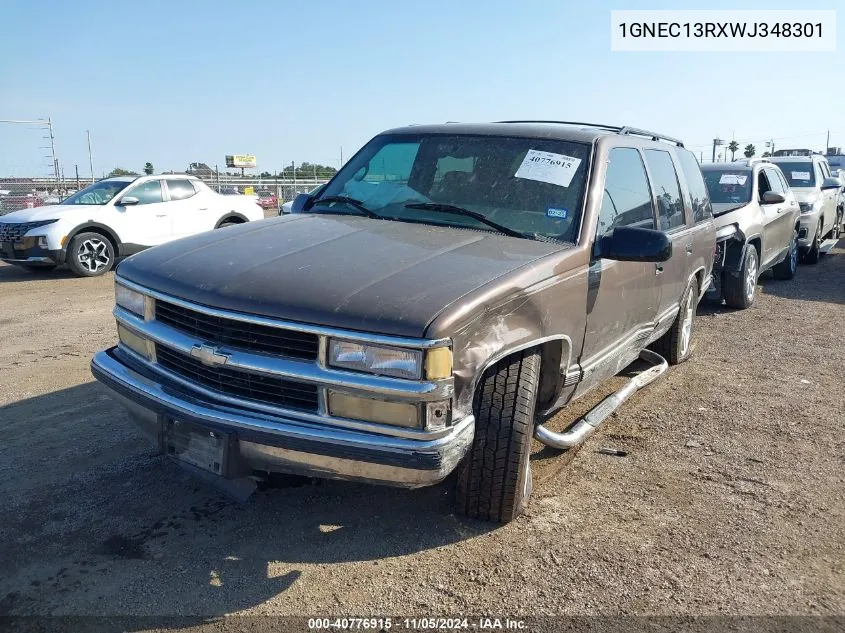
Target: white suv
{"points": [[817, 192], [116, 217]]}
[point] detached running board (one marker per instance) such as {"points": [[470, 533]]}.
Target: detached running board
{"points": [[585, 426], [827, 245]]}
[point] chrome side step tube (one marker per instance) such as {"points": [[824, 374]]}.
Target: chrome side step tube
{"points": [[585, 426]]}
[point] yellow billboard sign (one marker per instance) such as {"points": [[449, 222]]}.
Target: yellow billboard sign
{"points": [[242, 161]]}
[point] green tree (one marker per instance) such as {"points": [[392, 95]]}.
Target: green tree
{"points": [[750, 150], [733, 146], [148, 169], [265, 174], [119, 171], [307, 171], [766, 154]]}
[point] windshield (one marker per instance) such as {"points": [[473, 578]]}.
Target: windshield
{"points": [[728, 186], [98, 193], [531, 186], [798, 174]]}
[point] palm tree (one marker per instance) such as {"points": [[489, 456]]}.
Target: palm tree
{"points": [[750, 150], [148, 169], [733, 146]]}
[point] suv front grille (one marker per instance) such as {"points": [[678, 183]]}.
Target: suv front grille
{"points": [[237, 334], [240, 384], [14, 231]]}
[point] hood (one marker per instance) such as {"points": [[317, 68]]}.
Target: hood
{"points": [[49, 212], [349, 272], [725, 212], [806, 194]]}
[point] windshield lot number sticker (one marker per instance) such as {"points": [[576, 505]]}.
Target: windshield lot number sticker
{"points": [[556, 169], [556, 213], [800, 175], [732, 179]]}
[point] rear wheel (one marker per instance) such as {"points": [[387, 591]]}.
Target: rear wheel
{"points": [[739, 291], [786, 269], [90, 255], [676, 345], [494, 481]]}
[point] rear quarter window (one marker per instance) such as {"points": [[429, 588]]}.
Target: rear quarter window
{"points": [[702, 209]]}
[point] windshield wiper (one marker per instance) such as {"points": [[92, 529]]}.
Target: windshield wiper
{"points": [[454, 210], [350, 201]]}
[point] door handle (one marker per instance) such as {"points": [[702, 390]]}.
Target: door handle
{"points": [[658, 269], [203, 209], [689, 249], [161, 215]]}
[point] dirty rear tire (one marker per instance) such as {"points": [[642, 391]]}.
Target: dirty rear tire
{"points": [[733, 288], [494, 482]]}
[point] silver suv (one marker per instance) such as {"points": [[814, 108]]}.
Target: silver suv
{"points": [[817, 192], [757, 227]]}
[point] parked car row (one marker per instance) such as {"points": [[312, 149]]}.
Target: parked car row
{"points": [[428, 308], [114, 218], [448, 290]]}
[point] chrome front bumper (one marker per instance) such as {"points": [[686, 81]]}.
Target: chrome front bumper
{"points": [[285, 443]]}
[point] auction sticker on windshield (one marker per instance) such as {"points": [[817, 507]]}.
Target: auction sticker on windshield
{"points": [[556, 169], [800, 175], [733, 179]]}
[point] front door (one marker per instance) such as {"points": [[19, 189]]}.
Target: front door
{"points": [[778, 225], [623, 297], [146, 223]]}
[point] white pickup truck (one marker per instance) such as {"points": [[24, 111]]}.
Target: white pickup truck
{"points": [[117, 217]]}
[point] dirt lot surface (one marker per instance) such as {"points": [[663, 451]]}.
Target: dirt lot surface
{"points": [[731, 499]]}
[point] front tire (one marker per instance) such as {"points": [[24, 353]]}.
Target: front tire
{"points": [[787, 268], [739, 291], [676, 344], [494, 482], [812, 255], [90, 255]]}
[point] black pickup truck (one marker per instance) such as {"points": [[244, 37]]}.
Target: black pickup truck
{"points": [[419, 314]]}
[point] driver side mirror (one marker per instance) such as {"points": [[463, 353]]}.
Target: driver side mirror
{"points": [[128, 201], [771, 197], [301, 203], [831, 183], [633, 244]]}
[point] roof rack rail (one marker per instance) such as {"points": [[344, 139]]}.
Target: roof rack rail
{"points": [[625, 129]]}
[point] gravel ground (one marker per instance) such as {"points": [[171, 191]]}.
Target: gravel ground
{"points": [[729, 501]]}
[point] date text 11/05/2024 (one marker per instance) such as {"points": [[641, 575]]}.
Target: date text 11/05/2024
{"points": [[417, 624]]}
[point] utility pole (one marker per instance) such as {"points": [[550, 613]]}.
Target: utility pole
{"points": [[53, 147], [293, 166], [76, 167], [827, 142], [90, 160], [341, 156]]}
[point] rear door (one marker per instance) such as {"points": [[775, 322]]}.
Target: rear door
{"points": [[830, 196], [673, 274], [148, 222], [623, 296]]}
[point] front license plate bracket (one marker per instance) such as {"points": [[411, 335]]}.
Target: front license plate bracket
{"points": [[206, 449]]}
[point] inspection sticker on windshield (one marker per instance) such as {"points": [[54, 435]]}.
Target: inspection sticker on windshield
{"points": [[733, 179], [551, 212], [800, 175], [556, 169]]}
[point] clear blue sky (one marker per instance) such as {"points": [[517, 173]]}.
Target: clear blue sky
{"points": [[175, 82]]}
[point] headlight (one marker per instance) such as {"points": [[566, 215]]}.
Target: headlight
{"points": [[131, 300], [376, 359], [404, 414], [133, 341]]}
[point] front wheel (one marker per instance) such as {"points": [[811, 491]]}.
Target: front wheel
{"points": [[90, 255], [786, 269], [676, 344], [739, 291], [813, 254], [494, 481]]}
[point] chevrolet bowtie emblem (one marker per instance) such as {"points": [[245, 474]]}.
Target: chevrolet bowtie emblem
{"points": [[209, 355]]}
